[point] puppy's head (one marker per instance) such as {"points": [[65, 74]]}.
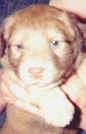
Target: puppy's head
{"points": [[41, 43]]}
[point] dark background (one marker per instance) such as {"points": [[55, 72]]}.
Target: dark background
{"points": [[9, 6]]}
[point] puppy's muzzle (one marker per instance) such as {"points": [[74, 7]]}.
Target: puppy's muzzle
{"points": [[36, 72]]}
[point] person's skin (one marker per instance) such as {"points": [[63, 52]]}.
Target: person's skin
{"points": [[75, 87], [76, 6], [10, 94]]}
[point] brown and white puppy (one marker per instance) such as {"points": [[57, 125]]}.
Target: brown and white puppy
{"points": [[43, 48]]}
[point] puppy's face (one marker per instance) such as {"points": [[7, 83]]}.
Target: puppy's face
{"points": [[41, 44]]}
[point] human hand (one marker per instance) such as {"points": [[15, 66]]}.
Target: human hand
{"points": [[75, 87], [77, 7], [11, 90]]}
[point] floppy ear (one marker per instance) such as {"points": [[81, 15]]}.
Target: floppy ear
{"points": [[4, 34], [3, 60], [2, 43], [70, 21], [73, 27], [2, 39], [66, 19]]}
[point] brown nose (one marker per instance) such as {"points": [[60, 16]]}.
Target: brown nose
{"points": [[36, 70]]}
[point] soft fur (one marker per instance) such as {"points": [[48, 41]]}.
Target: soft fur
{"points": [[42, 47]]}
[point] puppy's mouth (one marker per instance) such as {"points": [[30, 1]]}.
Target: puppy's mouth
{"points": [[36, 76]]}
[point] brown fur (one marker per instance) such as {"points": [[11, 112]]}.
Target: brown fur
{"points": [[42, 47]]}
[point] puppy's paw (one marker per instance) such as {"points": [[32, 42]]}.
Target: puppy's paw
{"points": [[57, 110]]}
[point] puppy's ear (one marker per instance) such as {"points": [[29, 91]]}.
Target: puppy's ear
{"points": [[65, 17], [5, 31], [75, 32], [8, 25], [70, 21], [2, 43]]}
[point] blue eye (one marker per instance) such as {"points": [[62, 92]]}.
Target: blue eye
{"points": [[54, 43], [19, 46]]}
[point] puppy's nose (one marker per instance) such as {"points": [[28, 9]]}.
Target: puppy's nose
{"points": [[36, 70]]}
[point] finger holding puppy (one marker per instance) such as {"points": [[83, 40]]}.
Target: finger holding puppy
{"points": [[76, 7], [10, 88]]}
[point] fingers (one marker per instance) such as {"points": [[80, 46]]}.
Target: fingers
{"points": [[75, 6], [19, 92], [27, 106], [73, 86], [11, 88], [83, 121], [11, 91]]}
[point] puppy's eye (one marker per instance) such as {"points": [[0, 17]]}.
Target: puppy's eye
{"points": [[54, 43], [19, 46]]}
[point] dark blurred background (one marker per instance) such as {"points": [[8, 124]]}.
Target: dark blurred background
{"points": [[9, 6]]}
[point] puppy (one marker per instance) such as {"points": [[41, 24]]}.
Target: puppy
{"points": [[42, 47]]}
